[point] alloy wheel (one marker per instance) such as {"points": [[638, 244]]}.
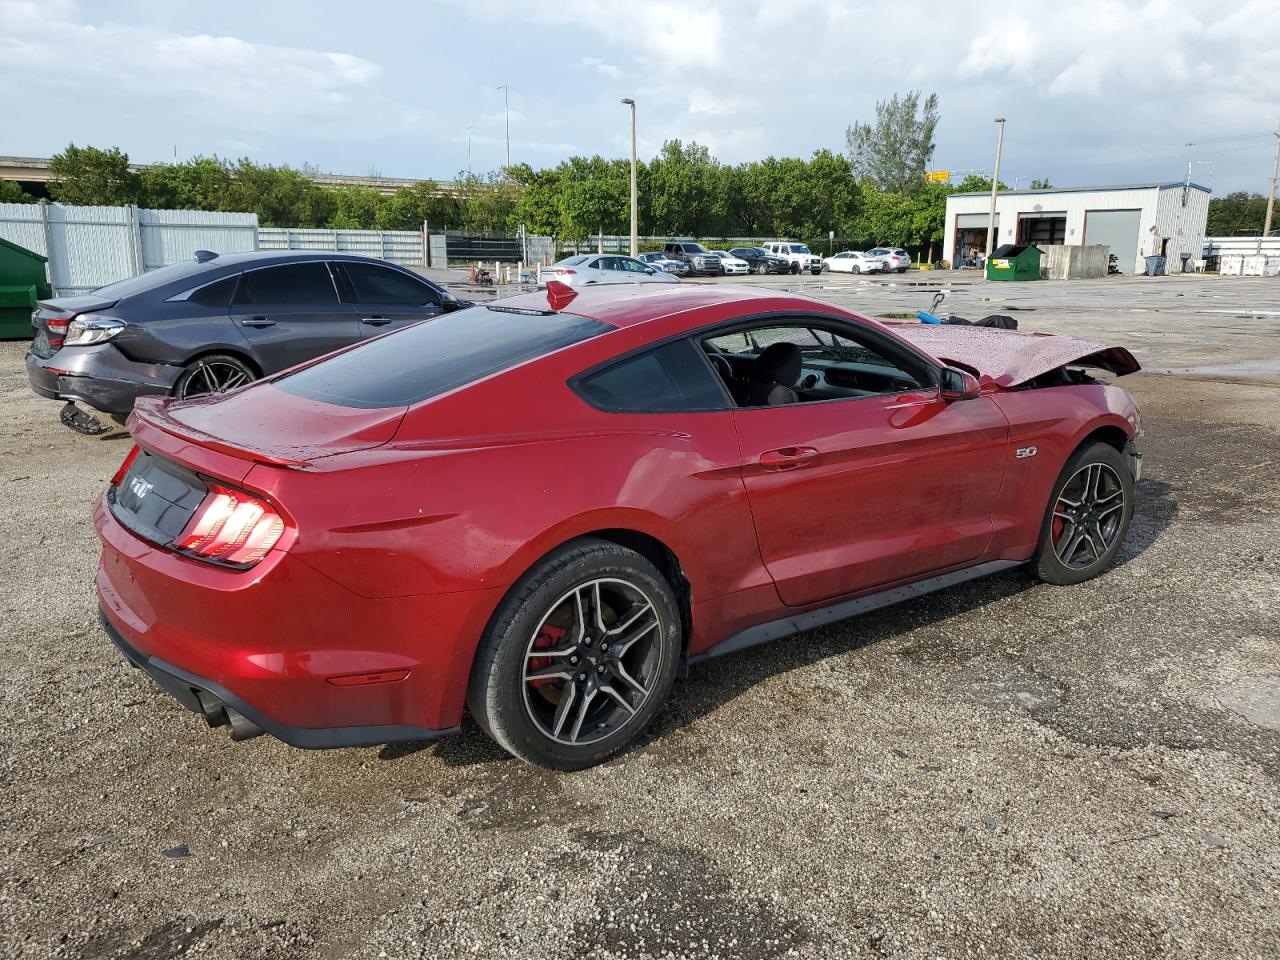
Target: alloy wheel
{"points": [[593, 661], [1088, 516], [216, 376]]}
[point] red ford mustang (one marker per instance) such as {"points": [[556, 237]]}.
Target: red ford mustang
{"points": [[543, 508]]}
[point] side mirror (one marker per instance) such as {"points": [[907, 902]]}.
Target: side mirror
{"points": [[649, 270], [958, 385]]}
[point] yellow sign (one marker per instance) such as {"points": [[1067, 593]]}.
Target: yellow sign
{"points": [[937, 176]]}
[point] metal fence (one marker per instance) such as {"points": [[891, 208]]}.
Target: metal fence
{"points": [[89, 247], [405, 247]]}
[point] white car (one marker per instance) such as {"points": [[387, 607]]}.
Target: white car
{"points": [[589, 268], [798, 254], [895, 258], [854, 261], [731, 264]]}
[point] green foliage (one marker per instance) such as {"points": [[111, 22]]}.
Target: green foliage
{"points": [[1044, 184], [410, 207], [1238, 212], [201, 183], [88, 175], [894, 151], [10, 192], [488, 202], [280, 196], [355, 208]]}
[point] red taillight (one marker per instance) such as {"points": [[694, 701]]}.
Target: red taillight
{"points": [[57, 330], [563, 271], [231, 526], [124, 467]]}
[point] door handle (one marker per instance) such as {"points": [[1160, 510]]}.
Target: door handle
{"points": [[788, 458], [257, 322], [375, 321]]}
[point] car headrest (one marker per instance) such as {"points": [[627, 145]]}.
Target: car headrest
{"points": [[778, 363]]}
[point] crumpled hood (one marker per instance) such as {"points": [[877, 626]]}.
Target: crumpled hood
{"points": [[1011, 357]]}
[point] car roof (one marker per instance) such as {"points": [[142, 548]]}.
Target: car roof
{"points": [[646, 302], [252, 257]]}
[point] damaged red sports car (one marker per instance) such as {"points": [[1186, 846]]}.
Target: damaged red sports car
{"points": [[542, 509]]}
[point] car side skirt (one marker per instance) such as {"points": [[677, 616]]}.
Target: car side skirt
{"points": [[842, 610]]}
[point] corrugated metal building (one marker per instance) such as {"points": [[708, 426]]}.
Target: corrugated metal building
{"points": [[1135, 220]]}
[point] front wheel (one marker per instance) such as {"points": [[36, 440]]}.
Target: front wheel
{"points": [[1087, 518], [795, 269], [579, 658], [216, 373], [762, 268]]}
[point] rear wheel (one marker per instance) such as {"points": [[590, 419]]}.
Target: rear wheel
{"points": [[1088, 517], [855, 269], [216, 373], [795, 268], [579, 658]]}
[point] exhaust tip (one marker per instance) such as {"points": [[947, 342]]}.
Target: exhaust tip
{"points": [[242, 728], [215, 711]]}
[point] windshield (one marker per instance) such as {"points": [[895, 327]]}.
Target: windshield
{"points": [[573, 261], [695, 248]]}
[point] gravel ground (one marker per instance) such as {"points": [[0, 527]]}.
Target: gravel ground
{"points": [[1005, 769]]}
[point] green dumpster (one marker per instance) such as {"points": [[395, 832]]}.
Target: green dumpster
{"points": [[22, 283], [1015, 261]]}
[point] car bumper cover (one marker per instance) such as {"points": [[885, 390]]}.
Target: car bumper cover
{"points": [[100, 376]]}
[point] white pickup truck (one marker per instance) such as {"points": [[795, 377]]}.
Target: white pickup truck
{"points": [[799, 255]]}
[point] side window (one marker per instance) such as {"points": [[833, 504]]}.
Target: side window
{"points": [[293, 283], [610, 263], [374, 284], [216, 294], [631, 266], [666, 379], [813, 362]]}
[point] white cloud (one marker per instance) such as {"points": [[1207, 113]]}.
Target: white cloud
{"points": [[602, 67]]}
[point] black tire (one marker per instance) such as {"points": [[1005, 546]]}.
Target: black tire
{"points": [[762, 268], [1101, 526], [795, 269], [520, 714], [902, 269], [855, 269], [216, 373]]}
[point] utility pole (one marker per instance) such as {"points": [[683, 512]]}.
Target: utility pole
{"points": [[506, 109], [634, 240], [468, 151], [1271, 197], [995, 187]]}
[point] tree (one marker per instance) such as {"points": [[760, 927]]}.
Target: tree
{"points": [[1239, 212], [539, 205], [1041, 184], [201, 183], [355, 208], [895, 151], [280, 196], [410, 207], [595, 194], [10, 192], [487, 202], [90, 176], [685, 194]]}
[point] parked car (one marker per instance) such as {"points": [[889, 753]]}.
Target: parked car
{"points": [[761, 261], [512, 509], [895, 258], [660, 261], [798, 255], [701, 261], [731, 265], [586, 269], [215, 323], [854, 261]]}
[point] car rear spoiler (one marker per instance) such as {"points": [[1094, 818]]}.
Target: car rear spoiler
{"points": [[149, 414]]}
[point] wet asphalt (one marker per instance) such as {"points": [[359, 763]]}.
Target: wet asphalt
{"points": [[1004, 769]]}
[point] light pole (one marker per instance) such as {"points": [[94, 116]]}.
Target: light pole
{"points": [[634, 240], [1271, 194], [995, 186], [468, 151], [506, 109]]}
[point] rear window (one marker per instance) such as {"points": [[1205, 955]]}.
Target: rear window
{"points": [[432, 358], [153, 279]]}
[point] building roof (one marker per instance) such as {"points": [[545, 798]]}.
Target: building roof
{"points": [[1154, 185]]}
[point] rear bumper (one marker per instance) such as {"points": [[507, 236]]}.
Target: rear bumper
{"points": [[100, 376], [290, 649]]}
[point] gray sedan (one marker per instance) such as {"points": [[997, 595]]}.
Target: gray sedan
{"points": [[591, 268]]}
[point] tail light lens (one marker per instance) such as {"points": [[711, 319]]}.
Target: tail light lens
{"points": [[124, 467], [231, 527], [561, 271], [56, 328]]}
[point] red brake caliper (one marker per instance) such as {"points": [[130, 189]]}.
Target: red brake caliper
{"points": [[548, 638], [1058, 523]]}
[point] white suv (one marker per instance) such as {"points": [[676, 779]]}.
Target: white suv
{"points": [[798, 254], [895, 258]]}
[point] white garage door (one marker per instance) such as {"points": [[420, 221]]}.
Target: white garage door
{"points": [[1117, 229]]}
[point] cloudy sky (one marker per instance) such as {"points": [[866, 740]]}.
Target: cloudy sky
{"points": [[1094, 92]]}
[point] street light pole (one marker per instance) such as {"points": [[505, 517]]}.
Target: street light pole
{"points": [[468, 151], [506, 109], [634, 239], [995, 186]]}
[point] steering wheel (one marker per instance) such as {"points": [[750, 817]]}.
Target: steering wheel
{"points": [[722, 366]]}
